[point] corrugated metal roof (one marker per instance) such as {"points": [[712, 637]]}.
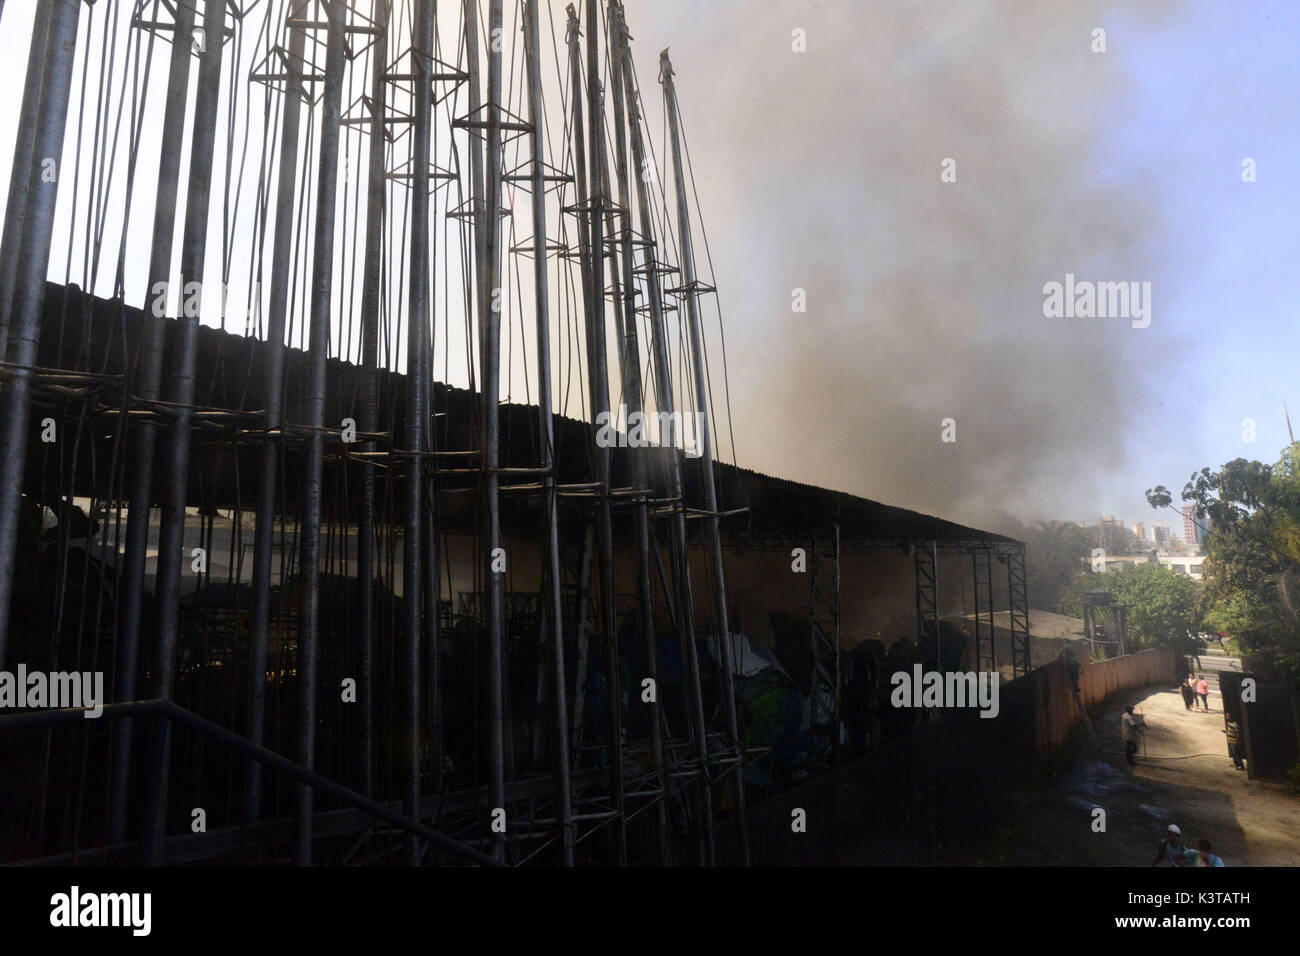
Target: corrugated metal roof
{"points": [[230, 376]]}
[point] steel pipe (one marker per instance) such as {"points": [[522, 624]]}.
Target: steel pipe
{"points": [[273, 378], [314, 409], [29, 282], [705, 439], [145, 382], [176, 463], [546, 429], [19, 178]]}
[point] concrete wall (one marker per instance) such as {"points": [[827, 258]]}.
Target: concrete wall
{"points": [[1055, 711]]}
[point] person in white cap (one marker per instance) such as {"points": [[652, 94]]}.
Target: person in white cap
{"points": [[1172, 852]]}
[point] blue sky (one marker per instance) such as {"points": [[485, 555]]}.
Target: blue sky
{"points": [[1216, 84]]}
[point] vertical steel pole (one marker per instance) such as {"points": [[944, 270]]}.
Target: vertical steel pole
{"points": [[29, 283], [490, 319], [372, 289], [691, 289], [176, 464], [264, 533], [19, 175], [432, 552], [634, 391], [572, 35], [975, 583], [475, 156], [992, 629], [600, 402], [580, 180], [478, 207], [314, 407], [412, 544], [546, 424], [664, 399], [938, 638], [146, 384]]}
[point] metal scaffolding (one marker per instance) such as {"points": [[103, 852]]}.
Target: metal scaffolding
{"points": [[385, 531], [926, 555], [1018, 602], [985, 643], [827, 678], [368, 517]]}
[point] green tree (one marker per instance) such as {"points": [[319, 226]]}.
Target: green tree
{"points": [[1164, 602], [1252, 563]]}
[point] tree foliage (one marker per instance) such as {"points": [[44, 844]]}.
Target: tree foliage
{"points": [[1252, 563], [1164, 602]]}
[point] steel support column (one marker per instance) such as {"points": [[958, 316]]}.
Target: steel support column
{"points": [[635, 392], [664, 400], [598, 360], [490, 324], [927, 595], [277, 317], [985, 629], [1019, 613], [416, 380], [546, 429], [691, 292], [176, 463], [29, 283], [20, 171], [145, 383], [590, 250], [372, 294], [824, 695], [314, 410]]}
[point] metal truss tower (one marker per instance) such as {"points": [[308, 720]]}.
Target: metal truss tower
{"points": [[826, 690]]}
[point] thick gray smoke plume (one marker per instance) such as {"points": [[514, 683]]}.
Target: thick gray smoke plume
{"points": [[821, 171]]}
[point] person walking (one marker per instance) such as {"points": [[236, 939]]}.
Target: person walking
{"points": [[1189, 695], [1130, 728], [1203, 692], [1233, 730]]}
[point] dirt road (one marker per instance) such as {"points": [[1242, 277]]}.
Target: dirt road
{"points": [[1185, 778]]}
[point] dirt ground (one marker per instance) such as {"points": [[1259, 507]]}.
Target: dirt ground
{"points": [[1249, 823]]}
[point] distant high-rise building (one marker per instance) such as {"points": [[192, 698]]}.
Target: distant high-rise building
{"points": [[1160, 534], [1140, 530], [1193, 533]]}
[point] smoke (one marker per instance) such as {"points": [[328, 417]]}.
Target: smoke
{"points": [[821, 171]]}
